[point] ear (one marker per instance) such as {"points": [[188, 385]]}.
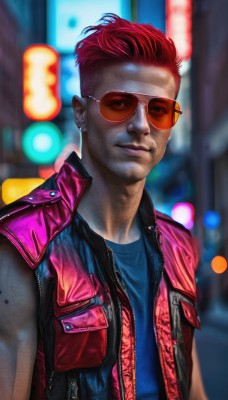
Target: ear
{"points": [[79, 107]]}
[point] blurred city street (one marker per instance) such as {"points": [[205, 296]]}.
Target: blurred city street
{"points": [[212, 345], [189, 183]]}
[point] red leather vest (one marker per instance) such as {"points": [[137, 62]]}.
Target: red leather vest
{"points": [[79, 297]]}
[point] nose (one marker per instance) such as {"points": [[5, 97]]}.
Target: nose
{"points": [[139, 123]]}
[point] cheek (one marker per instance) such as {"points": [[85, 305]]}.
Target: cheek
{"points": [[94, 140], [101, 133], [96, 126], [162, 140]]}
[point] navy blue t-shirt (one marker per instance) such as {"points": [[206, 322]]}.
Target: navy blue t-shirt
{"points": [[131, 261]]}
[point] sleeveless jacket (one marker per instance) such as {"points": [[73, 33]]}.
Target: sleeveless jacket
{"points": [[86, 341]]}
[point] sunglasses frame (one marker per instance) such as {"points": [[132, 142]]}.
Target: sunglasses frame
{"points": [[140, 99]]}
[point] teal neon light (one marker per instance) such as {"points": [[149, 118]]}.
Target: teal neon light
{"points": [[42, 142]]}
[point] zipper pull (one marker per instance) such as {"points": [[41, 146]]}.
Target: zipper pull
{"points": [[50, 382], [72, 393]]}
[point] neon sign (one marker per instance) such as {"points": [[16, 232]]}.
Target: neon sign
{"points": [[179, 25], [41, 100]]}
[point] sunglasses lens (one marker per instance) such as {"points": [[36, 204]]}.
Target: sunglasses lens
{"points": [[118, 107], [163, 113]]}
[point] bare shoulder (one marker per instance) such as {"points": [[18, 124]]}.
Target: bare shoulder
{"points": [[17, 290], [18, 324]]}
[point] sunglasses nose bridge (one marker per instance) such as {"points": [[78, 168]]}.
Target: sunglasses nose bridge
{"points": [[142, 104], [141, 115]]}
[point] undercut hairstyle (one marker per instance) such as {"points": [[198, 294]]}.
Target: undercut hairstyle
{"points": [[116, 40]]}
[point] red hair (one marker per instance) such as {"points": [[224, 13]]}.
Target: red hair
{"points": [[117, 40]]}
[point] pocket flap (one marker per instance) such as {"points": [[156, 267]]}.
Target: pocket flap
{"points": [[190, 314], [41, 196], [93, 319]]}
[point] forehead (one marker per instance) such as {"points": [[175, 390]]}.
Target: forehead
{"points": [[151, 80]]}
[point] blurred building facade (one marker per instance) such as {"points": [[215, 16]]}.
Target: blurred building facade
{"points": [[22, 22], [210, 131]]}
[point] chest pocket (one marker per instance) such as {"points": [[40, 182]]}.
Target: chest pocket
{"points": [[184, 317], [184, 320], [80, 321], [81, 337]]}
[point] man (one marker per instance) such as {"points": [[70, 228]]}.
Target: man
{"points": [[97, 289]]}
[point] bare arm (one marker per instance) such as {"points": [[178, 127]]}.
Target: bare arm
{"points": [[197, 391], [18, 331]]}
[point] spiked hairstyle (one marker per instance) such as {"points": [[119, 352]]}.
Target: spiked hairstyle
{"points": [[117, 40]]}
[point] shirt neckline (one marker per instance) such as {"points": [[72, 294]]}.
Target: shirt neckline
{"points": [[121, 248]]}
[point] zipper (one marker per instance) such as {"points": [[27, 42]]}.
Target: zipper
{"points": [[159, 280], [39, 283], [76, 306], [117, 282], [104, 281], [156, 231], [78, 311], [20, 207], [41, 299], [50, 382], [4, 216], [72, 388]]}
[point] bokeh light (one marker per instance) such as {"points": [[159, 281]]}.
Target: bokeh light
{"points": [[211, 219], [46, 171], [66, 151], [219, 264], [42, 142], [14, 188], [184, 213], [41, 100]]}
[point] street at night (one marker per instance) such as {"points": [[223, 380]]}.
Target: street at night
{"points": [[212, 345]]}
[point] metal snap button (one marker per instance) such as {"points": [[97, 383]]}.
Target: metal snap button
{"points": [[53, 194], [68, 327]]}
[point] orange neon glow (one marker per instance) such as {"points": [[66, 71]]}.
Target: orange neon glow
{"points": [[41, 82], [179, 25], [65, 153], [219, 264], [46, 172], [14, 188]]}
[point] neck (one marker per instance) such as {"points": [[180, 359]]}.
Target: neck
{"points": [[111, 209]]}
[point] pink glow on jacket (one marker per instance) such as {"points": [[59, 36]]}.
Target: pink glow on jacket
{"points": [[51, 212]]}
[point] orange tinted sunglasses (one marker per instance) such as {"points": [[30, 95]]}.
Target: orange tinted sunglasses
{"points": [[163, 112]]}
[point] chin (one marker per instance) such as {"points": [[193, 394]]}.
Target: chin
{"points": [[131, 175]]}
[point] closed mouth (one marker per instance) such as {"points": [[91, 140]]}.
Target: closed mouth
{"points": [[134, 147]]}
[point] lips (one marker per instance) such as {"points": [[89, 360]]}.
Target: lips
{"points": [[134, 147], [135, 151]]}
